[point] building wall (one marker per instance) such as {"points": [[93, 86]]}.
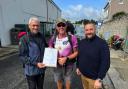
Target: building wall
{"points": [[35, 8], [115, 6], [19, 11], [53, 12], [118, 26], [10, 15]]}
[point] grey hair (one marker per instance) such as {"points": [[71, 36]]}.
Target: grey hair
{"points": [[33, 19]]}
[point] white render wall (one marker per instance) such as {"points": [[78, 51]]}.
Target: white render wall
{"points": [[19, 11]]}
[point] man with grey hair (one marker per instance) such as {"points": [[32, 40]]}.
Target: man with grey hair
{"points": [[31, 52]]}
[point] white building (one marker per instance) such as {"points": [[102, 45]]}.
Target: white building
{"points": [[19, 11]]}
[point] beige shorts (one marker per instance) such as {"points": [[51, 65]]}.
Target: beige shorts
{"points": [[63, 73]]}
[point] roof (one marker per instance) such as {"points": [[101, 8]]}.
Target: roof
{"points": [[54, 4], [106, 5]]}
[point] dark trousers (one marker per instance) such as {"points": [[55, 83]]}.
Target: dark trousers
{"points": [[36, 81]]}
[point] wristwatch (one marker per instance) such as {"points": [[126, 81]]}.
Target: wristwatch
{"points": [[100, 80]]}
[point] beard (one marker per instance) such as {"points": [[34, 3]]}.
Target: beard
{"points": [[35, 31], [90, 36]]}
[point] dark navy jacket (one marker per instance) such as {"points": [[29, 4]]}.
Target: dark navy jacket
{"points": [[93, 58], [31, 51]]}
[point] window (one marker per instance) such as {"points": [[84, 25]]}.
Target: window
{"points": [[120, 2]]}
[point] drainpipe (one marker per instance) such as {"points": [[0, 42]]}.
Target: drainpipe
{"points": [[47, 17], [47, 9], [2, 24]]}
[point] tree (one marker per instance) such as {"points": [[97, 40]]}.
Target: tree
{"points": [[85, 21], [119, 15]]}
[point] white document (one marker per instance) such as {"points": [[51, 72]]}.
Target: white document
{"points": [[50, 57]]}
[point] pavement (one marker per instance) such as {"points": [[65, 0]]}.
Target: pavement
{"points": [[118, 71], [8, 50], [116, 78]]}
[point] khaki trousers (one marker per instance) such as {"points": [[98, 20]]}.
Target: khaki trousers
{"points": [[87, 82]]}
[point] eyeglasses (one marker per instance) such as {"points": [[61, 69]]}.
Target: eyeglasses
{"points": [[61, 24]]}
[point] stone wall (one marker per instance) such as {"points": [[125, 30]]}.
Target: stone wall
{"points": [[118, 26]]}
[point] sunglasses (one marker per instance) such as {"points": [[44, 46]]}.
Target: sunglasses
{"points": [[61, 24]]}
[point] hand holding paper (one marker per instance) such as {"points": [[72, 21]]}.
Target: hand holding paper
{"points": [[40, 65]]}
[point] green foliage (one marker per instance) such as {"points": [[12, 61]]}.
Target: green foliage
{"points": [[110, 40], [79, 22], [101, 35], [85, 21], [119, 15]]}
